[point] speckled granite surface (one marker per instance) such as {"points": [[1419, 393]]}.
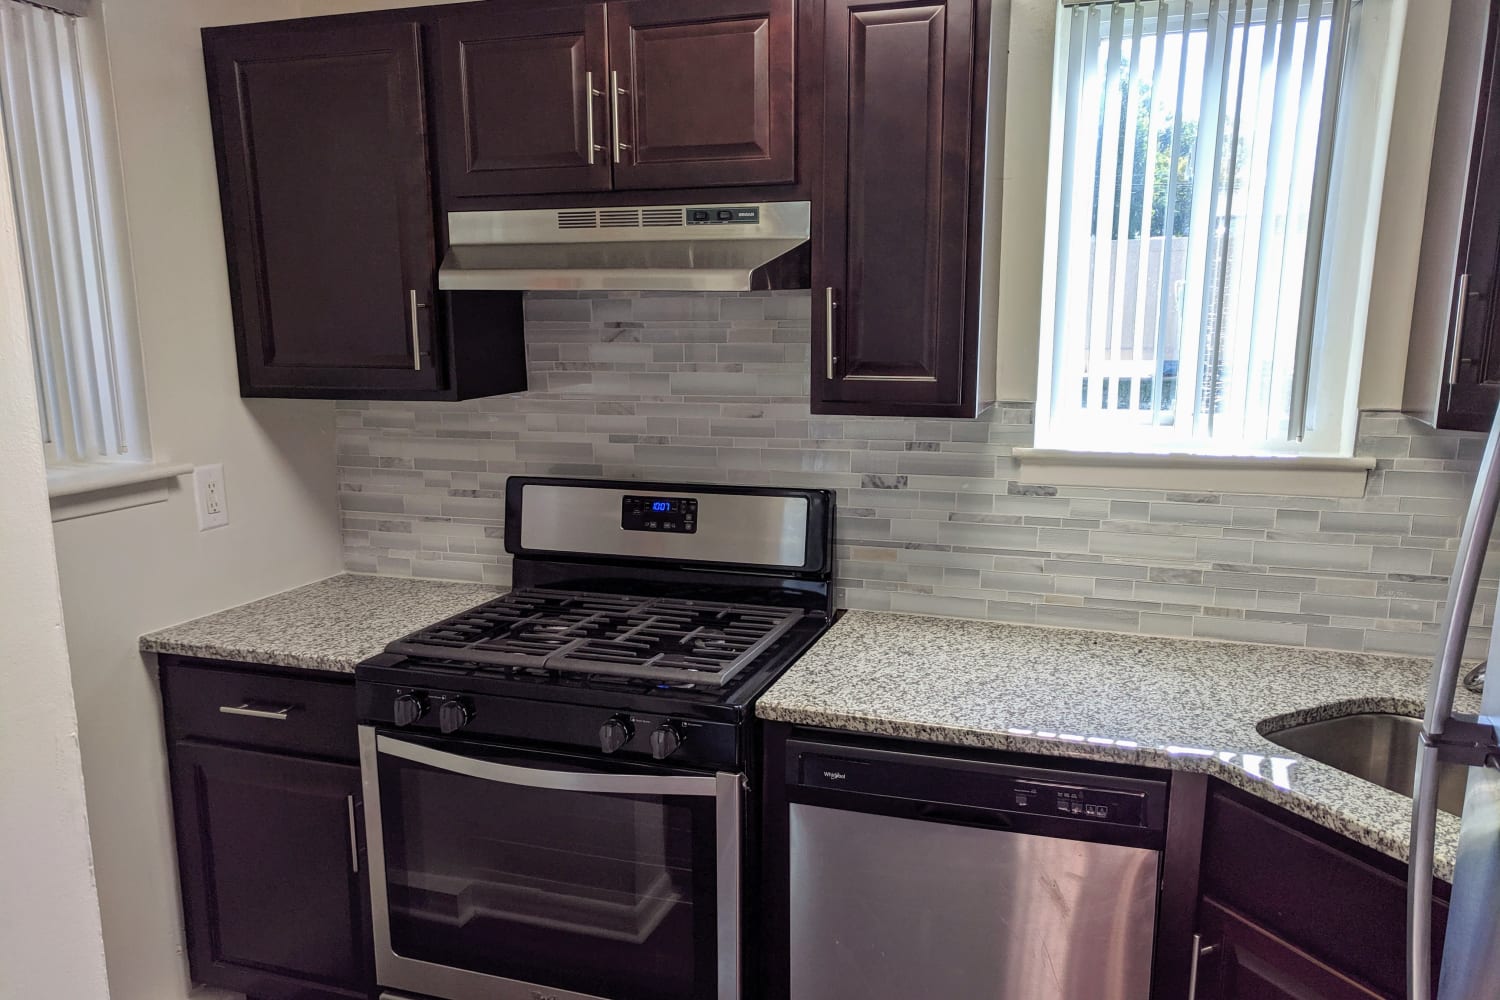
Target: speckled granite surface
{"points": [[1183, 704], [329, 625]]}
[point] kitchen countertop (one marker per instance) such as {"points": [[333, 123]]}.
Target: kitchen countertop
{"points": [[1184, 704], [328, 625]]}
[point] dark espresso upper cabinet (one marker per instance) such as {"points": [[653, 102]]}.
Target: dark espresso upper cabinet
{"points": [[1453, 364], [327, 206], [627, 95], [900, 247], [526, 110], [705, 92], [321, 133]]}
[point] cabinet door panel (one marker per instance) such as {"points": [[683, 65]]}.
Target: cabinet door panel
{"points": [[706, 92], [523, 102], [1247, 962], [891, 263], [327, 206], [267, 846]]}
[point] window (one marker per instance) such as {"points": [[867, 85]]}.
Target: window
{"points": [[1193, 301], [71, 240]]}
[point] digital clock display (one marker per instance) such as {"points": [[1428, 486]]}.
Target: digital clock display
{"points": [[677, 515]]}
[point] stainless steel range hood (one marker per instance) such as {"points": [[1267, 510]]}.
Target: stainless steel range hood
{"points": [[685, 248]]}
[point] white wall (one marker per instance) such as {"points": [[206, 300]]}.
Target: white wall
{"points": [[50, 943]]}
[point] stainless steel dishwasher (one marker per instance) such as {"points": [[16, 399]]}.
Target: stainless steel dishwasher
{"points": [[917, 875]]}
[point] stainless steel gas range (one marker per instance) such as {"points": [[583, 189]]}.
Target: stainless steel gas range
{"points": [[556, 781]]}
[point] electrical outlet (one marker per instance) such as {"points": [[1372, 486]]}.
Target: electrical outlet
{"points": [[208, 488]]}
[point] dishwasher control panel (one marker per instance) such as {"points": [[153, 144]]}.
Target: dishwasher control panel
{"points": [[1077, 797]]}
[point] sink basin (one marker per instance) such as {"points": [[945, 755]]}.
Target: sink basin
{"points": [[1377, 747]]}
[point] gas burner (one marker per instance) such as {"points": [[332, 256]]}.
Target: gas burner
{"points": [[676, 642]]}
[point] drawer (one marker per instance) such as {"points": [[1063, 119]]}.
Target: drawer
{"points": [[261, 707]]}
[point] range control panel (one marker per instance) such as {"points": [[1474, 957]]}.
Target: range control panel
{"points": [[992, 789], [671, 514], [724, 215]]}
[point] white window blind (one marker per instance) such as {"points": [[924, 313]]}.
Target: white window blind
{"points": [[1193, 150], [70, 241]]}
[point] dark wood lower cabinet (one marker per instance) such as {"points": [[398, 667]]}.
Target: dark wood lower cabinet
{"points": [[1298, 911], [270, 846], [271, 888], [1240, 960]]}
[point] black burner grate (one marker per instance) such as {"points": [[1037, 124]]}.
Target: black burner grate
{"points": [[663, 639]]}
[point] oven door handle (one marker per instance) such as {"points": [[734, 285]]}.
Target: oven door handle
{"points": [[564, 781]]}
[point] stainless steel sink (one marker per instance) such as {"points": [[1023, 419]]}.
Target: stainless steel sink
{"points": [[1377, 747]]}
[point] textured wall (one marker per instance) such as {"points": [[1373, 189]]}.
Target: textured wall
{"points": [[713, 388]]}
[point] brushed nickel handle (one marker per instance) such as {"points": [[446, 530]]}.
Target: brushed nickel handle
{"points": [[589, 93], [245, 709], [832, 360], [416, 334], [1200, 950], [614, 106], [1458, 327], [353, 836]]}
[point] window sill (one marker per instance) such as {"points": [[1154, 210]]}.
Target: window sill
{"points": [[80, 491], [1275, 476]]}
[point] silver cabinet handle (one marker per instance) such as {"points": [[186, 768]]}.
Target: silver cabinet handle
{"points": [[1200, 950], [589, 93], [1458, 327], [245, 709], [832, 360], [416, 334], [353, 836], [614, 106]]}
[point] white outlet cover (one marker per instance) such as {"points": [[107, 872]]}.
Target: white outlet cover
{"points": [[209, 497]]}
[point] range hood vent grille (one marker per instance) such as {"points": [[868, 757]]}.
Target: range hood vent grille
{"points": [[620, 218], [630, 248]]}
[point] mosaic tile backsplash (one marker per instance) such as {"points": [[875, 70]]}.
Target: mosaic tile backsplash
{"points": [[713, 388]]}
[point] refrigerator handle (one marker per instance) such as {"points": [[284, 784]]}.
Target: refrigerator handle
{"points": [[1462, 587]]}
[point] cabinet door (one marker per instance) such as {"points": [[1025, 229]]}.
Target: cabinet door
{"points": [[704, 92], [1242, 961], [890, 327], [268, 847], [1473, 372], [523, 105], [327, 203]]}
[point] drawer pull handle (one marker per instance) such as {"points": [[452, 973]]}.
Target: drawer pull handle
{"points": [[249, 711]]}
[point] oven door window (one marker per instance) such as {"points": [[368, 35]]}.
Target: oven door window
{"points": [[548, 871]]}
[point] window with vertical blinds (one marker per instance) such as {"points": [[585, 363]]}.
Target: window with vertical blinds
{"points": [[71, 242], [1193, 152]]}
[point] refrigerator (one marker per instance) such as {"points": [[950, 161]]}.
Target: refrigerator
{"points": [[1471, 950]]}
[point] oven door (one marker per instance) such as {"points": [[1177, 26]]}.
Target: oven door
{"points": [[498, 873]]}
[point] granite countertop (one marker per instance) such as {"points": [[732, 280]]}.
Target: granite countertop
{"points": [[1184, 704], [329, 625]]}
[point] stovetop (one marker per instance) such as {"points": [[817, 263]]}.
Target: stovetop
{"points": [[676, 641], [628, 634]]}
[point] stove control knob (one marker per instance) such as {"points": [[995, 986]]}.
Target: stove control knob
{"points": [[453, 715], [615, 733], [409, 708], [665, 741]]}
